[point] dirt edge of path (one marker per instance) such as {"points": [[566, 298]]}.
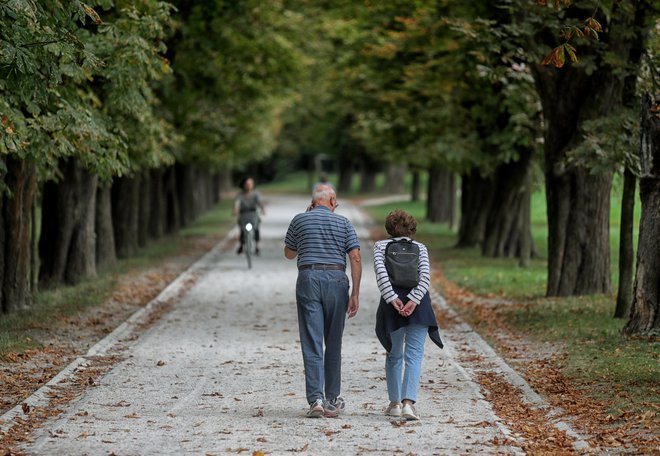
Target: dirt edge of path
{"points": [[540, 364]]}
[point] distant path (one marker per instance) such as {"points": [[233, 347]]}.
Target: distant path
{"points": [[222, 371]]}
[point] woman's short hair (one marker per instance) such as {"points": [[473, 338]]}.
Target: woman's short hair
{"points": [[400, 223]]}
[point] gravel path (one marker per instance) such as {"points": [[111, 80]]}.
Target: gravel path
{"points": [[222, 372]]}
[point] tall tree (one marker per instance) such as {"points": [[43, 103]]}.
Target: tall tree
{"points": [[578, 98], [645, 311]]}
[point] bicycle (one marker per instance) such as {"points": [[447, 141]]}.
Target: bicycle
{"points": [[248, 224]]}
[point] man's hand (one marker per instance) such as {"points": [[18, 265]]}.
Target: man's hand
{"points": [[353, 305]]}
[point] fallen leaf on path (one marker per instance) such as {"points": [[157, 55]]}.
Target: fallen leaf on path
{"points": [[299, 450], [132, 415]]}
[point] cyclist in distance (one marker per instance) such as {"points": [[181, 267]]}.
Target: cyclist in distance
{"points": [[246, 205]]}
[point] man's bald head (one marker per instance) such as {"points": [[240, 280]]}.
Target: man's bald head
{"points": [[323, 193]]}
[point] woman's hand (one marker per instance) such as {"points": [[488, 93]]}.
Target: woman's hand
{"points": [[398, 304], [408, 309]]}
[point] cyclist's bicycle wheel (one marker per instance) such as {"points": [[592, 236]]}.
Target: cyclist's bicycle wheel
{"points": [[249, 235]]}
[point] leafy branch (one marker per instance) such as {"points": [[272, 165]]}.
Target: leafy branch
{"points": [[589, 30]]}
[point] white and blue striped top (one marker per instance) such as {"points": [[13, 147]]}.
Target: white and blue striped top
{"points": [[321, 237], [383, 280]]}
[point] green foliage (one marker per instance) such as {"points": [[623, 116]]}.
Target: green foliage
{"points": [[234, 65], [76, 83]]}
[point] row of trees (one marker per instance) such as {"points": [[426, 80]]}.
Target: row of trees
{"points": [[507, 94], [121, 120]]}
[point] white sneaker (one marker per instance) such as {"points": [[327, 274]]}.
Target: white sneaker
{"points": [[408, 412], [394, 409], [315, 409]]}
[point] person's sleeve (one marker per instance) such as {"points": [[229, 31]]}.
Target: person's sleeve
{"points": [[291, 239], [417, 293], [382, 278], [351, 238]]}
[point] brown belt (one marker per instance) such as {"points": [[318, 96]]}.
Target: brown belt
{"points": [[324, 267]]}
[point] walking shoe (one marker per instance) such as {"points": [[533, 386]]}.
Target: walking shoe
{"points": [[316, 409], [408, 412], [394, 409], [239, 250], [334, 407], [256, 251]]}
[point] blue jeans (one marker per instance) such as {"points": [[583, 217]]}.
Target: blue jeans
{"points": [[322, 298], [413, 336]]}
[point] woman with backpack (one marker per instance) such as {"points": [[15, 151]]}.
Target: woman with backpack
{"points": [[404, 316]]}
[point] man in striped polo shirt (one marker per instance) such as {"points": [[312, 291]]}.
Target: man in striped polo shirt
{"points": [[321, 239]]}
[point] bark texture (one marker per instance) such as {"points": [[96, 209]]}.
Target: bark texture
{"points": [[476, 200], [67, 246], [645, 309], [145, 208], [185, 178], [625, 291], [441, 196], [395, 179], [158, 203], [15, 234], [508, 225], [416, 184], [106, 256], [125, 209]]}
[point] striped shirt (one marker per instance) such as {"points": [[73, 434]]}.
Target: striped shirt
{"points": [[383, 280], [321, 237]]}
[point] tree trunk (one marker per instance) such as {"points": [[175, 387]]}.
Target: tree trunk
{"points": [[578, 201], [578, 234], [645, 309], [414, 191], [508, 228], [625, 292], [81, 263], [173, 217], [106, 256], [395, 179], [67, 247], [368, 177], [476, 200], [144, 209], [186, 193], [157, 221], [225, 181], [15, 239], [4, 307], [441, 195], [216, 189], [125, 207]]}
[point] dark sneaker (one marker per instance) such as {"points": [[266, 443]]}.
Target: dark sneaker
{"points": [[316, 409], [240, 249], [256, 251], [334, 407]]}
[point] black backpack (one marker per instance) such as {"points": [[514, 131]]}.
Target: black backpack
{"points": [[402, 263]]}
